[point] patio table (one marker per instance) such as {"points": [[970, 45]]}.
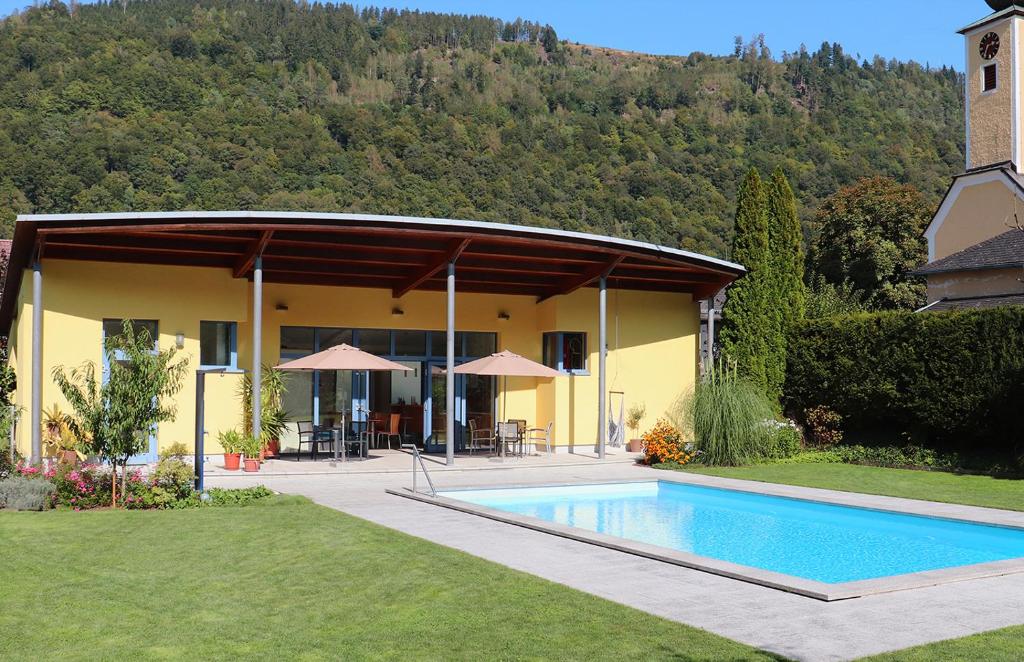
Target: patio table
{"points": [[364, 451]]}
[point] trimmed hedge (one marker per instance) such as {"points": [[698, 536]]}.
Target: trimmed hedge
{"points": [[949, 379]]}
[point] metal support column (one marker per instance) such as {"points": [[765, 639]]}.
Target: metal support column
{"points": [[257, 344], [37, 361], [449, 378], [602, 359], [710, 340]]}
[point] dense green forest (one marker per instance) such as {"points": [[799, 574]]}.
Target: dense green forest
{"points": [[218, 104]]}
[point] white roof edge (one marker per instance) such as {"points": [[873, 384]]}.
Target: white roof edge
{"points": [[994, 16], [397, 220]]}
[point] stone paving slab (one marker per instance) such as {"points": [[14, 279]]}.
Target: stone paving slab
{"points": [[791, 625]]}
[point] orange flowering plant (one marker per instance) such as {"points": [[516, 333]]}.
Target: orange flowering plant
{"points": [[664, 443]]}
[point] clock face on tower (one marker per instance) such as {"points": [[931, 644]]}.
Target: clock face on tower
{"points": [[989, 46]]}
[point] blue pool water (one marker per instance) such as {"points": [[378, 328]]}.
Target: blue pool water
{"points": [[817, 541]]}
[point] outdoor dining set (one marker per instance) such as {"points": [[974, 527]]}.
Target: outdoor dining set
{"points": [[508, 438], [512, 437]]}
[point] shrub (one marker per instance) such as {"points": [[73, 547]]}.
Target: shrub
{"points": [[823, 424], [947, 379], [172, 481], [784, 440], [664, 443], [87, 486], [21, 493], [727, 416], [8, 465], [237, 497]]}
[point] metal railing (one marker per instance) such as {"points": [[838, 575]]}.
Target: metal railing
{"points": [[418, 459]]}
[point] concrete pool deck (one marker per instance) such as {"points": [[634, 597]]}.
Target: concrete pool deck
{"points": [[792, 625]]}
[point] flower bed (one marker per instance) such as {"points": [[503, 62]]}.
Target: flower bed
{"points": [[88, 486]]}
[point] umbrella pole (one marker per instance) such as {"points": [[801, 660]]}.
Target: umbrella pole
{"points": [[342, 433]]}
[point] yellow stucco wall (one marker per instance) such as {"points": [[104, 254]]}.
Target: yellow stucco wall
{"points": [[990, 114], [979, 212], [990, 282], [652, 336]]}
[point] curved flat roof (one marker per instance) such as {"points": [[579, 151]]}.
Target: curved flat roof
{"points": [[400, 253]]}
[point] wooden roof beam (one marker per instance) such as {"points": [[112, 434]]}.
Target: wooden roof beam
{"points": [[592, 274], [255, 250], [420, 277]]}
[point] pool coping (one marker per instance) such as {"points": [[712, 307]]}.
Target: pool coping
{"points": [[789, 583]]}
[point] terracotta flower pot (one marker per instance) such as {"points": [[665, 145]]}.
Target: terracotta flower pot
{"points": [[252, 464], [69, 457], [636, 445], [273, 448], [232, 460]]}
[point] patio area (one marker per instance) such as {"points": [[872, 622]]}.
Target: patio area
{"points": [[386, 461]]}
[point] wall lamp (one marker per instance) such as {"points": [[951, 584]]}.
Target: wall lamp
{"points": [[281, 307], [397, 312], [179, 340], [504, 316]]}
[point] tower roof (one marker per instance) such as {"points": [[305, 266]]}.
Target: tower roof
{"points": [[1009, 8]]}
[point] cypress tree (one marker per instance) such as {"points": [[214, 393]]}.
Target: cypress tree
{"points": [[785, 277], [745, 317]]}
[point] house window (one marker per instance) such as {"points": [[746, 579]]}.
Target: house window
{"points": [[217, 345], [566, 351], [989, 78], [113, 328]]}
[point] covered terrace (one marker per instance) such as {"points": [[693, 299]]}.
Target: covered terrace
{"points": [[401, 254]]}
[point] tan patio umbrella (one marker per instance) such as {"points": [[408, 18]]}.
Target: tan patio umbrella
{"points": [[342, 357], [506, 364]]}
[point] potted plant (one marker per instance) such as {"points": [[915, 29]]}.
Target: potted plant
{"points": [[272, 417], [59, 434], [634, 416], [272, 424], [251, 447], [231, 441]]}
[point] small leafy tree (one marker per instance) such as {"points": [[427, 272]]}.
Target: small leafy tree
{"points": [[117, 416], [871, 234]]}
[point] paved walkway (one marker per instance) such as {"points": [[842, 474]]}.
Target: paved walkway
{"points": [[790, 625]]}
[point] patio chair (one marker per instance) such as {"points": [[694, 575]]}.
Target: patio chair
{"points": [[508, 436], [536, 435], [520, 433], [307, 435], [393, 431], [480, 439]]}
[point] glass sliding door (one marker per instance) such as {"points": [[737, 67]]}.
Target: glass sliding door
{"points": [[478, 403]]}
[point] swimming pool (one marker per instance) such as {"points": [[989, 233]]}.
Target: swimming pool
{"points": [[821, 542]]}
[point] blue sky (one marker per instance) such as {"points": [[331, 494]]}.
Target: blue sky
{"points": [[903, 29]]}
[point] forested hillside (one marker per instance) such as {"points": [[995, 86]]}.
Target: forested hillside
{"points": [[218, 104]]}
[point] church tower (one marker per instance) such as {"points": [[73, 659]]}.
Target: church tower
{"points": [[993, 95]]}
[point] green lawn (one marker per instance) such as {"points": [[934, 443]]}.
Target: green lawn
{"points": [[928, 485], [294, 580], [999, 646]]}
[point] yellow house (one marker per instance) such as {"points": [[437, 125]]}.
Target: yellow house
{"points": [[970, 235], [236, 289]]}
